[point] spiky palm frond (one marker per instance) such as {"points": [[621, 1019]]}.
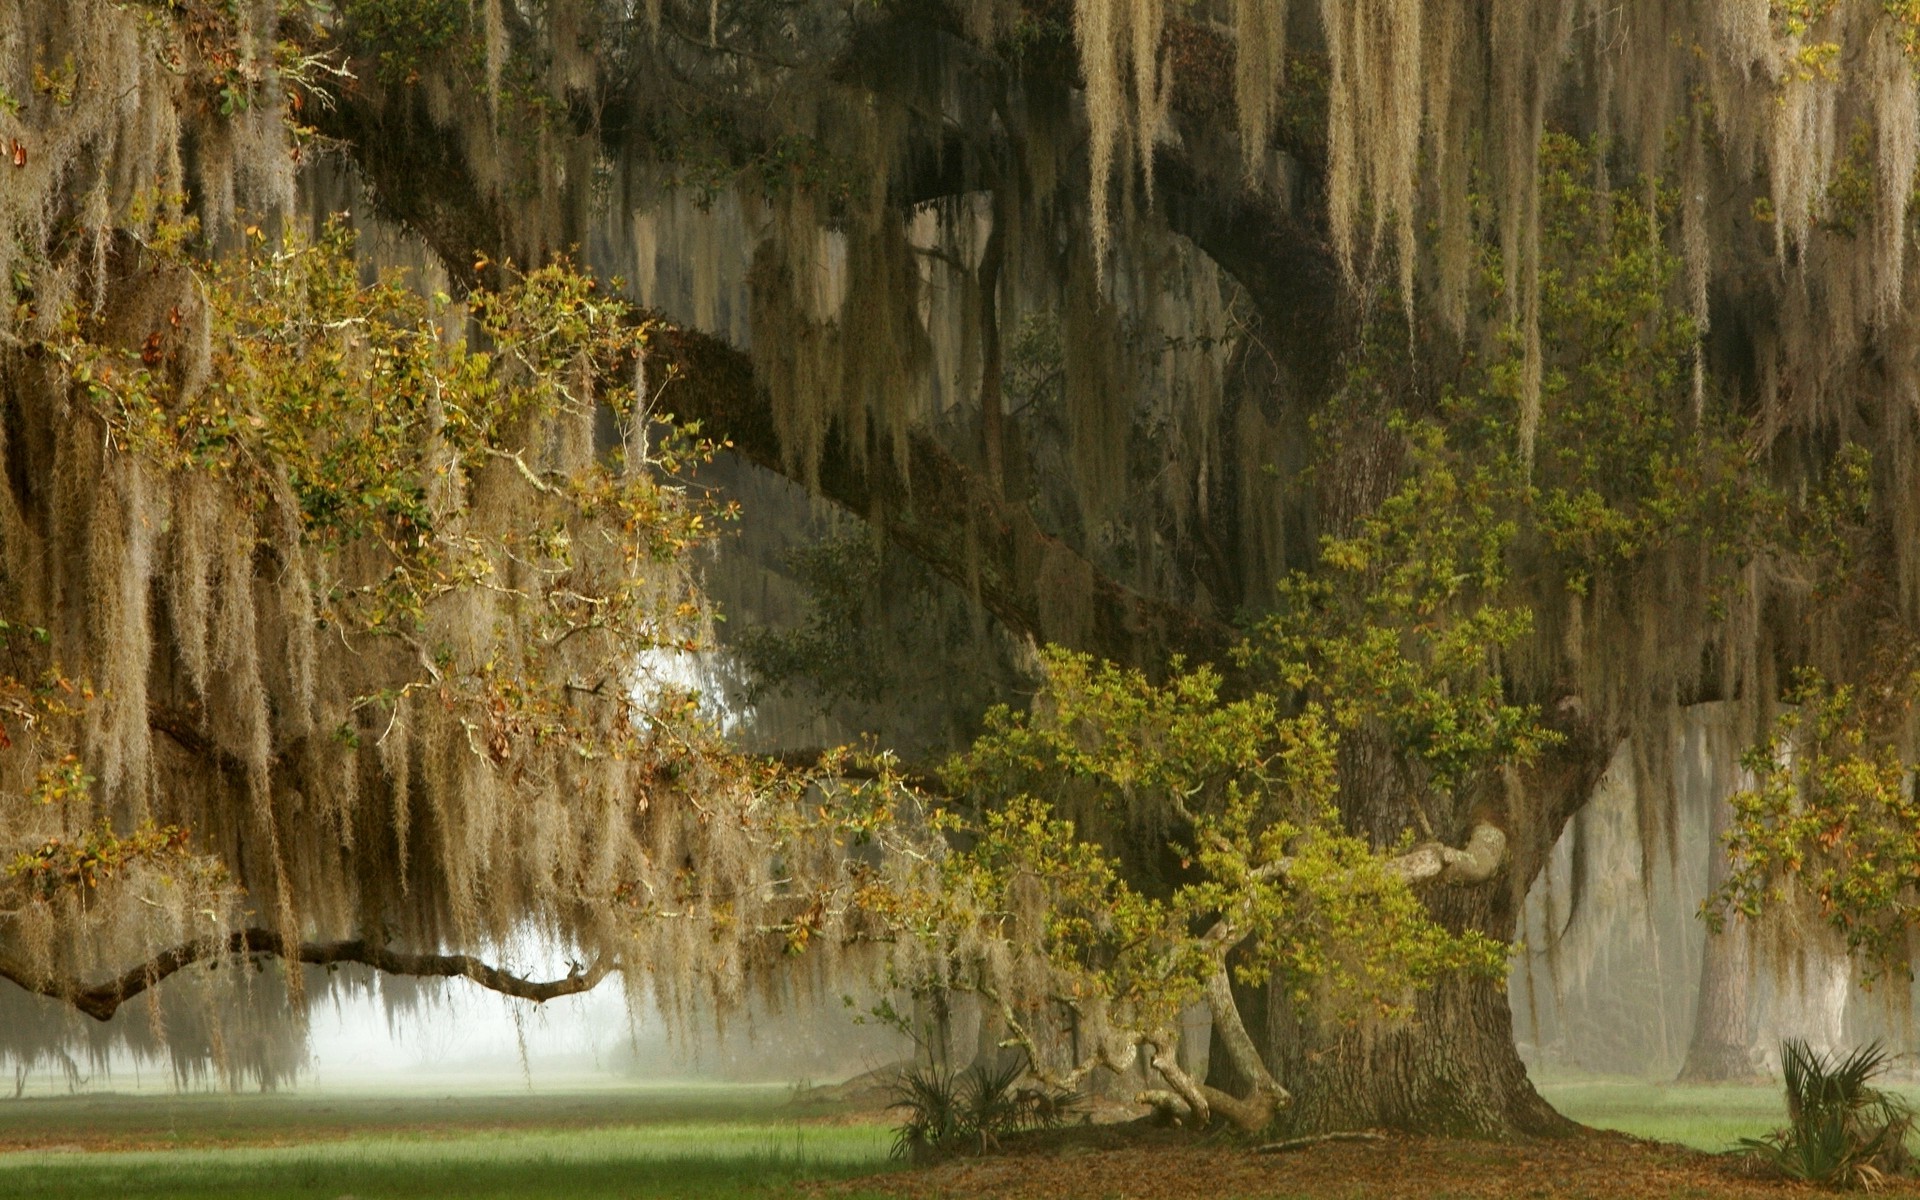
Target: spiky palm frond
{"points": [[931, 1101], [970, 1111], [1842, 1131]]}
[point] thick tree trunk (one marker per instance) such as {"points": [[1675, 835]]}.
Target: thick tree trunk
{"points": [[1721, 1050], [1452, 1069]]}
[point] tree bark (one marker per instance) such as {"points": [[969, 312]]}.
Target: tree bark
{"points": [[1451, 1069]]}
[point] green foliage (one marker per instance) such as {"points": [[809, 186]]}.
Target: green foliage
{"points": [[711, 149], [1905, 16], [1266, 866], [84, 863], [1832, 819], [930, 1098], [1842, 1131], [1849, 196], [1622, 469], [57, 83], [348, 396], [1402, 624], [1637, 454], [203, 42], [404, 35], [836, 650]]}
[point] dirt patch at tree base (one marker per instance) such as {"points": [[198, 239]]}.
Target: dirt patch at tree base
{"points": [[1595, 1165]]}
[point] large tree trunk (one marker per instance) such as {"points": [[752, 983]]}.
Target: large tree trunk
{"points": [[1452, 1069], [1721, 1049]]}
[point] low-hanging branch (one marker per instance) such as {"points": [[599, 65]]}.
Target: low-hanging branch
{"points": [[101, 1001]]}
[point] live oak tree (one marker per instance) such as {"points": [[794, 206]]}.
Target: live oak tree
{"points": [[1521, 374], [335, 610]]}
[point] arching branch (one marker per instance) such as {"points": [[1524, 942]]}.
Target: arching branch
{"points": [[101, 1001], [943, 514], [936, 510]]}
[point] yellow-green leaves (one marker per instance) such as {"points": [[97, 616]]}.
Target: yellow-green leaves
{"points": [[1404, 625], [1831, 821], [1241, 792]]}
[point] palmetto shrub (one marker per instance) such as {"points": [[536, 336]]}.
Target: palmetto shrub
{"points": [[968, 1112], [1841, 1130]]}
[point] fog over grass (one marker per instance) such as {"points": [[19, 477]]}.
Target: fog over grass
{"points": [[401, 1034]]}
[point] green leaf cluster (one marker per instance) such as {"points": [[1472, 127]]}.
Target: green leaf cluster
{"points": [[1831, 821], [1267, 871]]}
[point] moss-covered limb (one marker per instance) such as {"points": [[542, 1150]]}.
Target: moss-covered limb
{"points": [[1283, 261], [1280, 256], [936, 510], [1478, 861], [944, 515], [100, 1001], [1273, 249], [420, 180]]}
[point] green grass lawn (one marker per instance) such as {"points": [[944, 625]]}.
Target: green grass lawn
{"points": [[161, 1119], [1707, 1118], [639, 1143], [690, 1161], [634, 1143]]}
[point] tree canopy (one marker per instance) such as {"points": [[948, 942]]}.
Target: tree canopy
{"points": [[1349, 424]]}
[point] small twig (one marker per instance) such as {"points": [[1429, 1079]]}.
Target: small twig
{"points": [[1301, 1143]]}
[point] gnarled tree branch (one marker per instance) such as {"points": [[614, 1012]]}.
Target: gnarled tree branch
{"points": [[100, 1001], [1239, 1046], [1485, 851]]}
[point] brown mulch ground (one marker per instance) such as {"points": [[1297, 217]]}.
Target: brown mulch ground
{"points": [[1595, 1166]]}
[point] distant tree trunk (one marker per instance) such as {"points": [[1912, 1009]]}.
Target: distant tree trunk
{"points": [[990, 1051], [933, 1020], [1722, 1046], [1810, 999]]}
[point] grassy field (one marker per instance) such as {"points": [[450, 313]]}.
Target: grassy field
{"points": [[630, 1142], [639, 1143], [1706, 1118], [689, 1161], [159, 1119]]}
